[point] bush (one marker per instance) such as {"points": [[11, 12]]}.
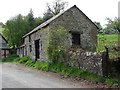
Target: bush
{"points": [[57, 39], [54, 53]]}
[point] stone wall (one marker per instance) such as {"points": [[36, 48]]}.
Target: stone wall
{"points": [[75, 20], [82, 59], [43, 37]]}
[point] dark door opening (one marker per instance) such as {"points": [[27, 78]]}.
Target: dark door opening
{"points": [[37, 48], [5, 54], [76, 38], [25, 50]]}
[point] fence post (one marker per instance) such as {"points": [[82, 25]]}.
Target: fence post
{"points": [[105, 62]]}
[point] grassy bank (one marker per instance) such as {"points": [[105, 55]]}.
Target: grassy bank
{"points": [[66, 71], [109, 40]]}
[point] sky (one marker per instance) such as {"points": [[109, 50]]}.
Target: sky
{"points": [[96, 10]]}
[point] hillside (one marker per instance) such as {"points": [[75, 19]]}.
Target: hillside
{"points": [[109, 40], [1, 29]]}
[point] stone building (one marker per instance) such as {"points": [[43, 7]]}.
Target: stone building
{"points": [[82, 32], [4, 48]]}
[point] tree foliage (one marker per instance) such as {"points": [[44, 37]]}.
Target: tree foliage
{"points": [[14, 29], [47, 15], [18, 26], [31, 19], [112, 26], [53, 9], [57, 7]]}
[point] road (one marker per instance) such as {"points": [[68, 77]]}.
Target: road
{"points": [[18, 76]]}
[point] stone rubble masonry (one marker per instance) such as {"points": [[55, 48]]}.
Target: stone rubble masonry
{"points": [[75, 20], [43, 37], [84, 59]]}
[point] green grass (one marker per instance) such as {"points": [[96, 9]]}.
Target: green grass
{"points": [[109, 40], [0, 60]]}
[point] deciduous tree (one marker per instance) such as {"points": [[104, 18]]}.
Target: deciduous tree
{"points": [[53, 9]]}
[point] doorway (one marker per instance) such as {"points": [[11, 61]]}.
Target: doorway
{"points": [[76, 38], [37, 49]]}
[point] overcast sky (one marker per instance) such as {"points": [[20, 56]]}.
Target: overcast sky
{"points": [[96, 10]]}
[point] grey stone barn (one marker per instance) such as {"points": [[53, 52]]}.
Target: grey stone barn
{"points": [[4, 48], [82, 32]]}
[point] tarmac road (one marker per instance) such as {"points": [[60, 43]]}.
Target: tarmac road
{"points": [[18, 76]]}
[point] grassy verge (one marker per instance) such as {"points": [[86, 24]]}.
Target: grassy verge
{"points": [[67, 71]]}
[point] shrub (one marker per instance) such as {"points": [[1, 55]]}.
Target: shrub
{"points": [[54, 53], [57, 43]]}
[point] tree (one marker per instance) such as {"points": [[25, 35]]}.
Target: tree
{"points": [[14, 29], [112, 26], [31, 19], [57, 7], [54, 9], [18, 26], [47, 15], [38, 21]]}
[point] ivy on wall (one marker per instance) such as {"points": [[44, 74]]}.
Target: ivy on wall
{"points": [[57, 44]]}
